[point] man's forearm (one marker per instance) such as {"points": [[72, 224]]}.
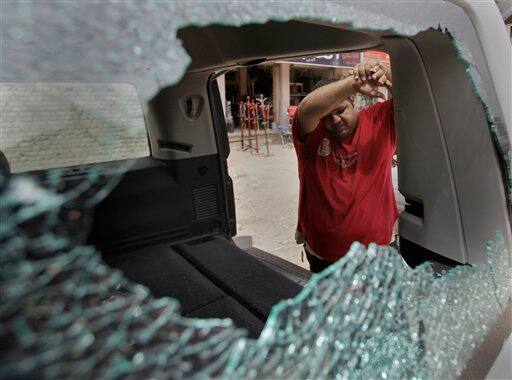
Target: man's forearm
{"points": [[322, 101]]}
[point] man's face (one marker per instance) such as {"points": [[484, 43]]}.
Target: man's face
{"points": [[341, 121]]}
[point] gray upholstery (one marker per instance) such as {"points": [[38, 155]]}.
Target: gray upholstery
{"points": [[248, 280], [210, 279]]}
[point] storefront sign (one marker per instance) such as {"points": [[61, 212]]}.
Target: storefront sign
{"points": [[376, 55]]}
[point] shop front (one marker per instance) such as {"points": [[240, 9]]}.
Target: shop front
{"points": [[285, 83]]}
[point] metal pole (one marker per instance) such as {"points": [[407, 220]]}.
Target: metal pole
{"points": [[249, 123], [241, 114], [256, 125], [265, 115]]}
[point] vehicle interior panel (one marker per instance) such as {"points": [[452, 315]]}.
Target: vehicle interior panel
{"points": [[167, 274], [231, 45], [475, 165], [180, 120], [254, 284], [434, 166], [211, 278], [423, 156], [161, 201]]}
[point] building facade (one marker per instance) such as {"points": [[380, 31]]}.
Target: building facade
{"points": [[286, 82]]}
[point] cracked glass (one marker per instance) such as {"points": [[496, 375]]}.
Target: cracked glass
{"points": [[65, 313]]}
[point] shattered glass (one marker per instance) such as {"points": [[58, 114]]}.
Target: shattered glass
{"points": [[136, 42], [48, 125], [64, 313]]}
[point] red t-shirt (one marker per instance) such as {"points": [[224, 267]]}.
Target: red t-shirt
{"points": [[346, 191]]}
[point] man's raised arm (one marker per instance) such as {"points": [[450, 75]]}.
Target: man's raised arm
{"points": [[365, 78], [322, 101]]}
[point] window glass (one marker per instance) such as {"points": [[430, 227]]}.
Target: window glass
{"points": [[48, 125]]}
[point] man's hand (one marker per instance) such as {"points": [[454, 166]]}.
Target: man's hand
{"points": [[369, 75], [369, 88], [372, 70]]}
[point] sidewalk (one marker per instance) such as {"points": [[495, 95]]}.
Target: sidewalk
{"points": [[266, 191]]}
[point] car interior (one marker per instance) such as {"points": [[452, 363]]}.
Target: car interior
{"points": [[169, 222]]}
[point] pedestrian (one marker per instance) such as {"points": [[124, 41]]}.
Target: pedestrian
{"points": [[344, 160]]}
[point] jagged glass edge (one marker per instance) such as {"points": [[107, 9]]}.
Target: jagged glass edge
{"points": [[270, 321], [249, 358], [426, 300], [377, 16], [500, 294]]}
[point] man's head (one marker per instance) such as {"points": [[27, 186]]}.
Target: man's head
{"points": [[342, 120]]}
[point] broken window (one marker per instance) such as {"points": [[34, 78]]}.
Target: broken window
{"points": [[65, 313], [52, 125]]}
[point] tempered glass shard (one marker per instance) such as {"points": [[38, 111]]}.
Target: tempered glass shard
{"points": [[49, 125], [67, 314]]}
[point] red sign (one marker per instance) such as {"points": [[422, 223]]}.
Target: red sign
{"points": [[379, 56]]}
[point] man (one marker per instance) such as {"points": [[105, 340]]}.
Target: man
{"points": [[344, 158]]}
